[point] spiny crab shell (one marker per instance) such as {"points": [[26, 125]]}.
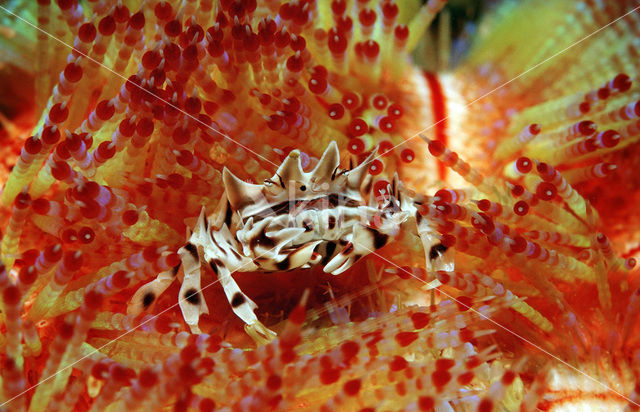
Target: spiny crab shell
{"points": [[296, 219]]}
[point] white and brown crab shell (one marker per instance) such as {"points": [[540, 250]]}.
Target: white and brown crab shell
{"points": [[283, 221], [296, 219]]}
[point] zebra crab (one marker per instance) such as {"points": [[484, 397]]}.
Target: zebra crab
{"points": [[294, 220]]}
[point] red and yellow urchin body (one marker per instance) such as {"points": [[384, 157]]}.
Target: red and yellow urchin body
{"points": [[117, 169]]}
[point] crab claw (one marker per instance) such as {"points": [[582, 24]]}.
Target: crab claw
{"points": [[260, 333], [339, 264], [345, 259]]}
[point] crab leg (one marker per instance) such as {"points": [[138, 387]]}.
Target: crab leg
{"points": [[240, 303], [147, 294], [437, 256], [221, 252], [191, 301]]}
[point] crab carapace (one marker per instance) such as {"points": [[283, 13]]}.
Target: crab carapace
{"points": [[296, 219]]}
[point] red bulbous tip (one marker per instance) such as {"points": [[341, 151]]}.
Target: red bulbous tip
{"points": [[521, 208], [371, 49], [610, 138], [173, 260], [587, 127], [519, 244], [401, 32], [69, 235], [66, 331], [524, 165], [546, 191], [389, 10], [163, 10], [407, 155], [484, 204], [87, 32], [483, 222], [448, 240], [60, 171], [120, 279], [344, 24], [59, 113], [337, 43], [33, 145], [338, 7], [51, 135], [27, 275], [145, 127], [386, 124], [173, 28], [195, 31], [517, 190], [106, 150], [41, 206], [176, 181], [395, 111], [107, 26], [298, 43], [150, 254], [122, 375], [318, 85], [87, 191], [376, 167], [443, 195], [385, 148], [28, 257], [189, 353], [379, 101], [136, 21], [351, 100], [23, 200], [73, 72], [584, 107], [53, 253], [535, 128], [355, 146], [621, 83], [90, 210], [86, 235], [66, 4], [73, 260], [380, 187], [181, 135], [357, 127], [100, 370], [121, 13], [151, 59], [11, 295], [367, 17], [93, 300], [436, 148], [295, 63], [147, 378]]}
